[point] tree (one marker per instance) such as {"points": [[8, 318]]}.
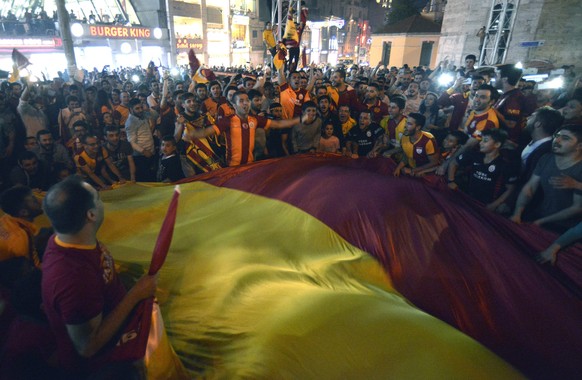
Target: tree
{"points": [[400, 10]]}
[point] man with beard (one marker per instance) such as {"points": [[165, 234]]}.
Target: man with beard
{"points": [[559, 175], [458, 102], [341, 93], [328, 117], [68, 116], [361, 90], [204, 152], [32, 115], [153, 98], [120, 153], [372, 103], [93, 162], [413, 100], [239, 130], [260, 136], [139, 135], [50, 152], [278, 142], [541, 126], [403, 79], [419, 147], [201, 92]]}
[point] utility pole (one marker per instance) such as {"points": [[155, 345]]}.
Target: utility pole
{"points": [[204, 16], [171, 34], [65, 29]]}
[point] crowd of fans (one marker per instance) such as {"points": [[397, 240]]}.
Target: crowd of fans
{"points": [[37, 22], [512, 145], [31, 23]]}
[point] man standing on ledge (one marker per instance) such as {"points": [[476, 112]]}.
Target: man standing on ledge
{"points": [[83, 297]]}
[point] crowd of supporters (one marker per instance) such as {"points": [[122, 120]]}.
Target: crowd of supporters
{"points": [[37, 22], [511, 144]]}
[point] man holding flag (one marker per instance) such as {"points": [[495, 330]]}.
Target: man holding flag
{"points": [[84, 299]]}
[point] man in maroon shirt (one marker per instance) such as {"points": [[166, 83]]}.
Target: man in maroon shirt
{"points": [[341, 93], [84, 299], [512, 105], [372, 103]]}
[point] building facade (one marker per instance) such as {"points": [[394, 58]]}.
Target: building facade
{"points": [[105, 32], [124, 33], [508, 31], [413, 41]]}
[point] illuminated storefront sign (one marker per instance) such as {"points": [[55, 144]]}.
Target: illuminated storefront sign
{"points": [[118, 32], [48, 43], [185, 44]]}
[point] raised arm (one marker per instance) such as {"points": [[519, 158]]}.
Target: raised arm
{"points": [[281, 75]]}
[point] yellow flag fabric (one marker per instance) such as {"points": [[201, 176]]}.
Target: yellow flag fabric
{"points": [[255, 288], [279, 58], [291, 30]]}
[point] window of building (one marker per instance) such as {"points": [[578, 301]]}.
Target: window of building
{"points": [[426, 53], [386, 47], [214, 15]]}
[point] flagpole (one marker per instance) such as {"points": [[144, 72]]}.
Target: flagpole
{"points": [[65, 30]]}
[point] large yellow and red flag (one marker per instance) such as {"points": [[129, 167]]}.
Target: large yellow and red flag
{"points": [[319, 266]]}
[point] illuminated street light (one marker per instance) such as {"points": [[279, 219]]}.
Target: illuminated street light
{"points": [[77, 29], [125, 48]]}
